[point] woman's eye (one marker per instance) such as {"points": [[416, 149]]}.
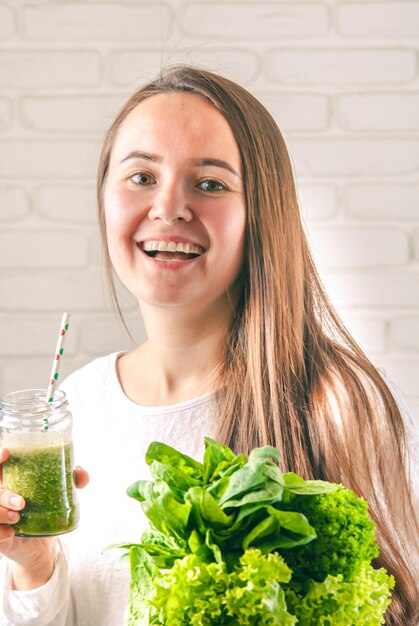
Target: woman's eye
{"points": [[143, 179], [211, 185]]}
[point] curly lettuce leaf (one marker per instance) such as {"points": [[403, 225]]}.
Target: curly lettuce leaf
{"points": [[362, 602], [345, 535], [255, 594], [193, 593]]}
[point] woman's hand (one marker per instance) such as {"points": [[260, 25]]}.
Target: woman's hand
{"points": [[33, 558]]}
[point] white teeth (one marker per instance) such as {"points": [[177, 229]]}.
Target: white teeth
{"points": [[172, 246]]}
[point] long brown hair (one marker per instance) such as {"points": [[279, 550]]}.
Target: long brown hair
{"points": [[292, 374]]}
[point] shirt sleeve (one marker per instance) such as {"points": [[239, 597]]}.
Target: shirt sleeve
{"points": [[48, 605]]}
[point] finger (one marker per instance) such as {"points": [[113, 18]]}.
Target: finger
{"points": [[10, 500], [8, 516], [81, 477], [4, 454], [6, 533]]}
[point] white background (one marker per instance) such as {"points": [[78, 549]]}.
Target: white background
{"points": [[342, 81]]}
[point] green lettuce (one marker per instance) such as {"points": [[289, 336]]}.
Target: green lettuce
{"points": [[337, 602], [234, 541], [203, 594], [345, 535]]}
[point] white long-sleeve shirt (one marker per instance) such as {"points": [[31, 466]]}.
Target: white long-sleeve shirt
{"points": [[111, 436]]}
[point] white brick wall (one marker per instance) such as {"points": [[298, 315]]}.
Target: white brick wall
{"points": [[339, 67], [37, 68], [86, 22], [341, 77]]}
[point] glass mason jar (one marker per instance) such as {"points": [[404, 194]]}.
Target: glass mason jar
{"points": [[38, 435]]}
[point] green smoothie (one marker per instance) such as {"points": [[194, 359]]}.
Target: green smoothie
{"points": [[44, 477]]}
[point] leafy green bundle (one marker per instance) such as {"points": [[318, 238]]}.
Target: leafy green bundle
{"points": [[234, 541]]}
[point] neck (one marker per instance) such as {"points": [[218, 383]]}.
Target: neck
{"points": [[180, 359]]}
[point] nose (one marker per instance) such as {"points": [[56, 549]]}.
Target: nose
{"points": [[170, 205]]}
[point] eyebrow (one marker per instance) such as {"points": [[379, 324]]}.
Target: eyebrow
{"points": [[146, 156], [155, 158], [216, 163]]}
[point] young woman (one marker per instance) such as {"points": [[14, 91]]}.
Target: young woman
{"points": [[200, 222]]}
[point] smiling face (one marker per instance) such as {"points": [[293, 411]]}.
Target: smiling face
{"points": [[174, 202]]}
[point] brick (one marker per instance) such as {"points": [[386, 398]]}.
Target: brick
{"points": [[75, 114], [5, 114], [39, 69], [81, 21], [14, 203], [102, 335], [370, 333], [250, 21], [24, 249], [24, 373], [349, 247], [318, 202], [404, 373], [340, 68], [297, 112], [6, 22], [383, 111], [21, 335], [355, 157], [398, 20], [48, 158], [383, 201], [66, 203], [404, 333], [131, 68], [374, 290], [75, 292], [33, 372]]}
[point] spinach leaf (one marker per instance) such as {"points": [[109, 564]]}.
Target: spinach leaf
{"points": [[162, 548], [167, 514], [219, 460], [143, 570], [298, 485], [205, 510], [175, 478], [280, 529], [258, 480]]}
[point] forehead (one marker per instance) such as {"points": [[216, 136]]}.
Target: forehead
{"points": [[176, 119]]}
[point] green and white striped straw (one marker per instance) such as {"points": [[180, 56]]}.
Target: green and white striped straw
{"points": [[59, 351]]}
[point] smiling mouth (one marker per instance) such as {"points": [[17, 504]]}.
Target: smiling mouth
{"points": [[171, 250]]}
